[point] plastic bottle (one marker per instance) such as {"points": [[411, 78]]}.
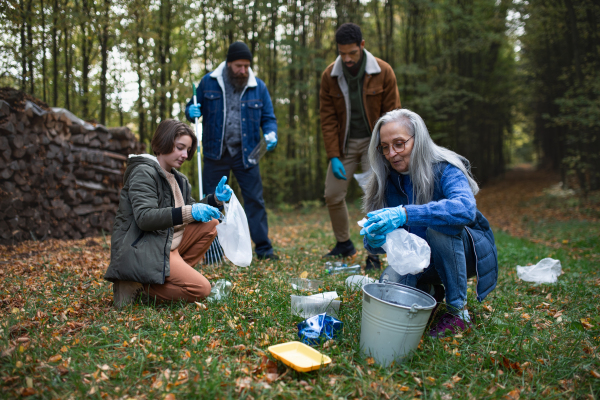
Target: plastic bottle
{"points": [[353, 269], [220, 291], [335, 264]]}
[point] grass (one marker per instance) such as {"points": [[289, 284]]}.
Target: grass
{"points": [[61, 338]]}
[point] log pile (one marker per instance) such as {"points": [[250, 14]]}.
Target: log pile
{"points": [[59, 176]]}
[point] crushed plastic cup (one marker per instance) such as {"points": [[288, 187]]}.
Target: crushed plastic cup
{"points": [[220, 291], [319, 328], [545, 271]]}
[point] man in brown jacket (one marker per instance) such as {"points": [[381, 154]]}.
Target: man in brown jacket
{"points": [[356, 90]]}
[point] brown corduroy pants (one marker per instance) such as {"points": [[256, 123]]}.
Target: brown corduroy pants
{"points": [[184, 282]]}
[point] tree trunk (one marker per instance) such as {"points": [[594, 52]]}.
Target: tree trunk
{"points": [[104, 37], [23, 47], [85, 58], [43, 17], [55, 44], [67, 51], [30, 53]]}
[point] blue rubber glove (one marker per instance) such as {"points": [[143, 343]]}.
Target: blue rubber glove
{"points": [[384, 221], [271, 139], [374, 240], [194, 111], [223, 191], [204, 213], [338, 168]]}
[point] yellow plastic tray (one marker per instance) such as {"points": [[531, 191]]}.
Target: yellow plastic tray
{"points": [[299, 356]]}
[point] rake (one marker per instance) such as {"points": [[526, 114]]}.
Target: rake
{"points": [[214, 254]]}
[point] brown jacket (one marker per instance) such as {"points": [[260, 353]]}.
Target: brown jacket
{"points": [[380, 95]]}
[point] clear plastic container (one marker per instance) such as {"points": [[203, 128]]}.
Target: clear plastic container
{"points": [[260, 150], [307, 306], [220, 291], [354, 269]]}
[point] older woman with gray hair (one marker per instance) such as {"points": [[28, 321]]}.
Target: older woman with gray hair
{"points": [[429, 191]]}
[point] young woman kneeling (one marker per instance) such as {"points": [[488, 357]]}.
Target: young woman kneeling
{"points": [[159, 231]]}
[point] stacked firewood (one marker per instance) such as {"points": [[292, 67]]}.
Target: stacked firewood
{"points": [[59, 176]]}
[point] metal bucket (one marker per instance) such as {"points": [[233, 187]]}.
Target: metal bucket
{"points": [[394, 317]]}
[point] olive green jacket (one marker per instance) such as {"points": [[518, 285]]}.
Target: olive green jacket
{"points": [[143, 228]]}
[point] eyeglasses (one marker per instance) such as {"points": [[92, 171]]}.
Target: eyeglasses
{"points": [[398, 146]]}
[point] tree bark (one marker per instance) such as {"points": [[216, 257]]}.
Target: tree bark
{"points": [[104, 38], [43, 17], [55, 44]]}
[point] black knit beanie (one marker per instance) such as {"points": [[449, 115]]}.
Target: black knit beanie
{"points": [[238, 51]]}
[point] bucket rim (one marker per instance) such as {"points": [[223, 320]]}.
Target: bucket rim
{"points": [[424, 308]]}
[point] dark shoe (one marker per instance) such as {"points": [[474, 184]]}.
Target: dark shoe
{"points": [[373, 262], [342, 249], [125, 292], [449, 324], [271, 257]]}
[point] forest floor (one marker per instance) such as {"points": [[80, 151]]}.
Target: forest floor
{"points": [[61, 338]]}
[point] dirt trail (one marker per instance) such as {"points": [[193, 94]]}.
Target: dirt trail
{"points": [[510, 202]]}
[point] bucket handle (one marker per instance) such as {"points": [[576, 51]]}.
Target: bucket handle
{"points": [[414, 308]]}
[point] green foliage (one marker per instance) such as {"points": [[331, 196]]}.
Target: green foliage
{"points": [[561, 61], [453, 59]]}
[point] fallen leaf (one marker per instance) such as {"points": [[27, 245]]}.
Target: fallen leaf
{"points": [[304, 275], [195, 339], [169, 396], [55, 358], [513, 395], [595, 374], [240, 347], [370, 360]]}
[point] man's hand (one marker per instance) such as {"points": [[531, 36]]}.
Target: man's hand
{"points": [[271, 139], [338, 168], [194, 111]]}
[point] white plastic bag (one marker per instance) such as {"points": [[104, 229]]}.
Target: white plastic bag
{"points": [[406, 253], [546, 271], [363, 179], [234, 234]]}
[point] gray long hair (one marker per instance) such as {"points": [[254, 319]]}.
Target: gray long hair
{"points": [[425, 154]]}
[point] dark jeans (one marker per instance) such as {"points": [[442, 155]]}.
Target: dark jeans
{"points": [[252, 192], [452, 263]]}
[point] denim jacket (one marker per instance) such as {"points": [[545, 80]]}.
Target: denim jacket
{"points": [[452, 209], [257, 112]]}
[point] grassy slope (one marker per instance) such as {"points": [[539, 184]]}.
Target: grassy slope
{"points": [[56, 302]]}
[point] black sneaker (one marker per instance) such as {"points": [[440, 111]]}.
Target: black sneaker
{"points": [[270, 257], [342, 249], [373, 262]]}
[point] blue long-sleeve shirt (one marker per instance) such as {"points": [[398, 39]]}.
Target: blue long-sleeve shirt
{"points": [[452, 207]]}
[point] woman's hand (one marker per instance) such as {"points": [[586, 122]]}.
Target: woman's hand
{"points": [[204, 213], [374, 240], [223, 191], [384, 221]]}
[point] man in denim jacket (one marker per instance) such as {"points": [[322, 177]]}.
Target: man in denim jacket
{"points": [[236, 105]]}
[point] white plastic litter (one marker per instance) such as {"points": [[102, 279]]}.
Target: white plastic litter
{"points": [[234, 234], [307, 306], [546, 271], [363, 179], [406, 253], [356, 282]]}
